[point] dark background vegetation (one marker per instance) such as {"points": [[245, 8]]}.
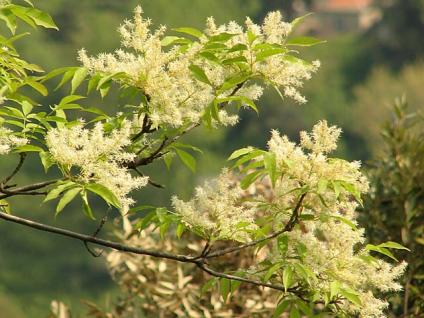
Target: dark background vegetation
{"points": [[363, 70]]}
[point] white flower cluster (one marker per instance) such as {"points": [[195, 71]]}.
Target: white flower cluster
{"points": [[98, 156], [280, 69], [175, 96], [310, 168], [331, 241], [9, 141], [217, 210], [333, 244]]}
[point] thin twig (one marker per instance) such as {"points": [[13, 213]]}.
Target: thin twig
{"points": [[94, 240], [136, 250], [166, 142], [96, 232], [22, 157], [25, 190], [152, 183]]}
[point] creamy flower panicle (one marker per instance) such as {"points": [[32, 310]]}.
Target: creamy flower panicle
{"points": [[163, 74], [217, 210], [8, 141], [100, 157], [331, 240]]}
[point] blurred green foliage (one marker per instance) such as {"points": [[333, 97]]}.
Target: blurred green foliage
{"points": [[394, 208]]}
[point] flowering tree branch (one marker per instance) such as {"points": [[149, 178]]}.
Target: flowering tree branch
{"points": [[287, 228], [200, 263], [168, 141]]}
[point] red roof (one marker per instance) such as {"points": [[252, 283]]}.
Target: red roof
{"points": [[345, 5]]}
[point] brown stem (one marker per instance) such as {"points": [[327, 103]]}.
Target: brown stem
{"points": [[136, 250], [22, 157], [25, 190], [166, 142]]}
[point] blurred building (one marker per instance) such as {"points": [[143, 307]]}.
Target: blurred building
{"points": [[341, 16]]}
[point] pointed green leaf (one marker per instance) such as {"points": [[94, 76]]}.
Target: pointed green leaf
{"points": [[67, 197], [190, 31], [199, 74], [225, 288], [86, 206], [287, 277], [187, 159], [304, 41], [78, 78], [240, 152], [104, 193]]}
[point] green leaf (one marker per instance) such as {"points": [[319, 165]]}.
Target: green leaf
{"points": [[187, 146], [233, 60], [322, 186], [146, 221], [334, 289], [225, 288], [26, 107], [337, 188], [287, 277], [394, 245], [104, 193], [46, 160], [86, 206], [10, 19], [70, 71], [240, 152], [180, 230], [250, 178], [209, 284], [251, 37], [299, 20], [345, 221], [190, 31], [304, 41], [262, 55], [238, 47], [294, 312], [41, 18], [168, 40], [28, 148], [58, 189], [281, 307], [199, 74], [210, 56], [351, 296], [271, 271], [78, 78], [37, 86], [271, 166], [167, 158], [67, 197], [304, 272], [233, 81], [381, 250], [249, 156], [283, 244], [222, 37], [248, 102], [187, 159]]}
